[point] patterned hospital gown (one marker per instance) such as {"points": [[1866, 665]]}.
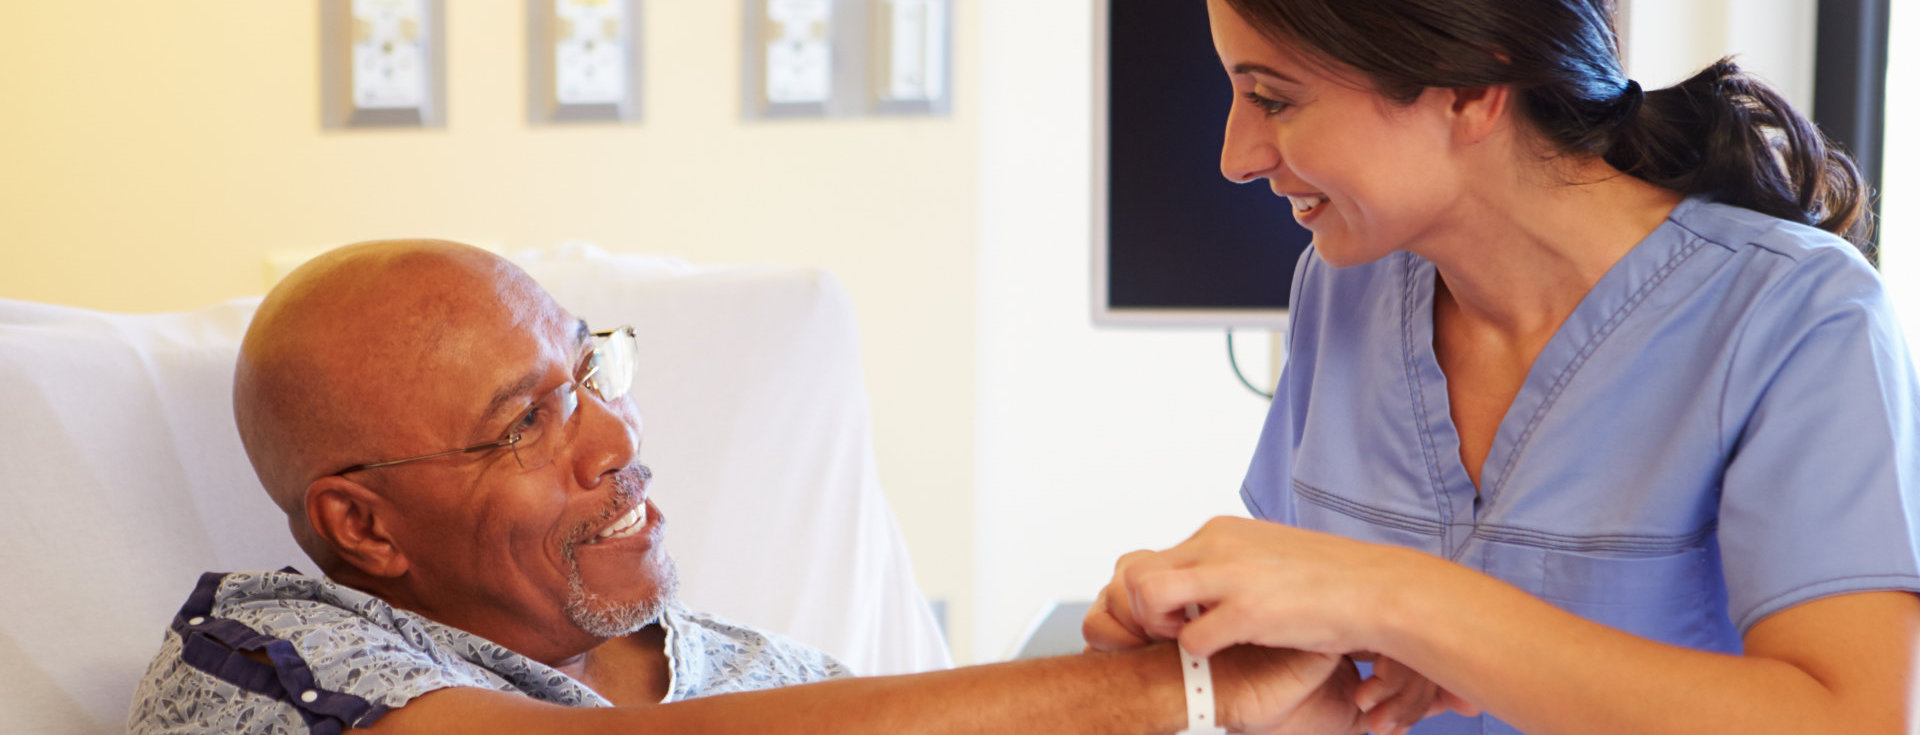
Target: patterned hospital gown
{"points": [[343, 658]]}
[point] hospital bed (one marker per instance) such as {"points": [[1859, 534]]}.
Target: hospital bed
{"points": [[122, 476]]}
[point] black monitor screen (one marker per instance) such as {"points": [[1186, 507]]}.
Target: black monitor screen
{"points": [[1179, 236]]}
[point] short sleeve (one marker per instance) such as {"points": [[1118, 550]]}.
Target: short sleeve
{"points": [[241, 664], [1820, 493], [357, 658], [714, 656]]}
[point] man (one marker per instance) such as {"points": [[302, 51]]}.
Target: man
{"points": [[456, 454]]}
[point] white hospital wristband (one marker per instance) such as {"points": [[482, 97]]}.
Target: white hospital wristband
{"points": [[1198, 675]]}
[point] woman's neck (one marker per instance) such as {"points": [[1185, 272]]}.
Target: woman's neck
{"points": [[1521, 254]]}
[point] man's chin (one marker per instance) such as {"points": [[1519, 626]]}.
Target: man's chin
{"points": [[610, 613]]}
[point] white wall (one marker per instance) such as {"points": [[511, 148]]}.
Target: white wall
{"points": [[1900, 173], [1091, 442], [1666, 41], [155, 154], [144, 168]]}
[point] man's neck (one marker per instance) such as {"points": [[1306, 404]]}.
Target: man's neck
{"points": [[629, 670]]}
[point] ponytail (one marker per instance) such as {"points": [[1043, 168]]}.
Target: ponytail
{"points": [[1725, 134]]}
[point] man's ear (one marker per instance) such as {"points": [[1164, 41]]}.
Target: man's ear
{"points": [[1478, 111], [353, 521]]}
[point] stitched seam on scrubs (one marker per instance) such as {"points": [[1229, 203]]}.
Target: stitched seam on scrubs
{"points": [[1246, 496], [1586, 351], [1730, 441], [1417, 390], [1828, 588], [1366, 513], [1621, 542], [216, 646]]}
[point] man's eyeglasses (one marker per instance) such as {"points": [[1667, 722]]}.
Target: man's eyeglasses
{"points": [[606, 369]]}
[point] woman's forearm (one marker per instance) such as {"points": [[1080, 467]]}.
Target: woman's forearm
{"points": [[1550, 672]]}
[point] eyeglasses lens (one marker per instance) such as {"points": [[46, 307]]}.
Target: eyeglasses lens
{"points": [[607, 371], [612, 364]]}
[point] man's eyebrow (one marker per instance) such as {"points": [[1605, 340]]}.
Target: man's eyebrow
{"points": [[525, 384], [1252, 68], [517, 388]]}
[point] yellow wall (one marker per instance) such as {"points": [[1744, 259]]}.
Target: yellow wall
{"points": [[156, 153]]}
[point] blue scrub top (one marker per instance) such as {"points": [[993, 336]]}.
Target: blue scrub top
{"points": [[1726, 426]]}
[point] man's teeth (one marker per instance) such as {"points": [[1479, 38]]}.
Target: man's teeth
{"points": [[626, 525], [1306, 203]]}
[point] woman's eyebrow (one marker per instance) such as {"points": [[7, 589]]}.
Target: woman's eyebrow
{"points": [[1262, 69]]}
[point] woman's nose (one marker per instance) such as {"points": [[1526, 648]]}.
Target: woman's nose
{"points": [[1247, 151]]}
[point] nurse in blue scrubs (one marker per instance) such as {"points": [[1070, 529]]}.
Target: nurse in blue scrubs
{"points": [[1595, 419]]}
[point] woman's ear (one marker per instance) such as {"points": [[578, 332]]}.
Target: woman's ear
{"points": [[1478, 111], [353, 520]]}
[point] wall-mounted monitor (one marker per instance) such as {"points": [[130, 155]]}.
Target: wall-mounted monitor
{"points": [[1175, 243]]}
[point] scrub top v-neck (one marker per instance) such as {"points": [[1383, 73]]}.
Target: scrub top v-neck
{"points": [[1724, 427]]}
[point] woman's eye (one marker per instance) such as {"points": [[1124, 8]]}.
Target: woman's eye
{"points": [[1267, 105]]}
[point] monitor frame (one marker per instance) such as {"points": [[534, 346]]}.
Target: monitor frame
{"points": [[1104, 314]]}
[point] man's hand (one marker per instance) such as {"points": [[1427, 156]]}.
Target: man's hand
{"points": [[1263, 691], [1395, 697]]}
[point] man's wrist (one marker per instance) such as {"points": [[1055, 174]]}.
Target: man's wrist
{"points": [[1196, 676], [1229, 688]]}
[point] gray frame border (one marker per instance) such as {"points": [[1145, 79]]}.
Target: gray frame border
{"points": [[882, 41], [543, 107], [336, 62], [849, 65]]}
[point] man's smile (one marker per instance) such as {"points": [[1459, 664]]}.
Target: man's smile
{"points": [[639, 518], [626, 525]]}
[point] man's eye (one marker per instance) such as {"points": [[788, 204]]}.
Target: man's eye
{"points": [[527, 421]]}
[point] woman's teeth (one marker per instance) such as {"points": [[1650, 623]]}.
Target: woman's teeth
{"points": [[1306, 203], [624, 526]]}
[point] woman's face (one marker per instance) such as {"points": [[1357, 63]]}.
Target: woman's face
{"points": [[1365, 174]]}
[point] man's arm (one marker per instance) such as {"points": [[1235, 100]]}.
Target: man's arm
{"points": [[1258, 690]]}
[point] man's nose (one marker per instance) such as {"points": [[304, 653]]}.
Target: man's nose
{"points": [[608, 438]]}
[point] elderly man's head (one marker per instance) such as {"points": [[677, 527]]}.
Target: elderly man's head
{"points": [[396, 350]]}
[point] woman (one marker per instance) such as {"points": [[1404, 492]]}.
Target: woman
{"points": [[1590, 418]]}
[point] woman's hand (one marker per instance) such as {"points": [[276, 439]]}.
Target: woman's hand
{"points": [[1109, 625], [1265, 584], [1395, 697]]}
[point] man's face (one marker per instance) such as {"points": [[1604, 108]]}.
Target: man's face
{"points": [[544, 547]]}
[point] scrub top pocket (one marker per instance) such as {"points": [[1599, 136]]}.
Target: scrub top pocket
{"points": [[1677, 597]]}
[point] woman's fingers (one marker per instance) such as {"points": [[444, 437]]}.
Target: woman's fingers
{"points": [[1448, 701], [1108, 629], [1110, 624]]}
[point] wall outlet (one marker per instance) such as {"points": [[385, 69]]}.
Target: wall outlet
{"points": [[583, 60], [911, 56], [382, 63]]}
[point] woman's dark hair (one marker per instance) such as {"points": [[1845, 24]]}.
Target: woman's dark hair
{"points": [[1722, 133]]}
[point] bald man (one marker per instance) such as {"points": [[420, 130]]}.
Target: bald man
{"points": [[458, 456]]}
